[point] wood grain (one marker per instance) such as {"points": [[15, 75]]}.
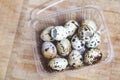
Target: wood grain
{"points": [[9, 17], [21, 61]]}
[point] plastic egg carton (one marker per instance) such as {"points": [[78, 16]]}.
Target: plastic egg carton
{"points": [[60, 17]]}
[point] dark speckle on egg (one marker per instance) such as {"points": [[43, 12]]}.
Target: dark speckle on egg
{"points": [[98, 41], [81, 33], [55, 66], [73, 40], [73, 22], [90, 45], [46, 49], [86, 38], [81, 59], [73, 64], [91, 56], [82, 44], [95, 44], [72, 55], [86, 29]]}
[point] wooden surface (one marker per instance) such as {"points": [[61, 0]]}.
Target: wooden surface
{"points": [[9, 17], [16, 59]]}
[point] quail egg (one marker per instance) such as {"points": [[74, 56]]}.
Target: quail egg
{"points": [[45, 35], [59, 33], [77, 43], [64, 47], [90, 24], [85, 33], [75, 59], [94, 41], [58, 64], [71, 27], [92, 56], [49, 50]]}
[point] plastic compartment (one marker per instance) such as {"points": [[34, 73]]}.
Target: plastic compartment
{"points": [[59, 18]]}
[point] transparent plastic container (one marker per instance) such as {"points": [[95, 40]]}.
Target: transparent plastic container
{"points": [[39, 21]]}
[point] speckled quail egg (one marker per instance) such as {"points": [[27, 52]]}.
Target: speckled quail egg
{"points": [[59, 33], [75, 59], [64, 47], [71, 27], [45, 35], [58, 64], [85, 33], [49, 50], [77, 43], [92, 56], [94, 41], [90, 24]]}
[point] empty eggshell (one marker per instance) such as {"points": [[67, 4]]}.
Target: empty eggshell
{"points": [[58, 64], [49, 50], [90, 24], [94, 41], [77, 43], [75, 59], [92, 56], [71, 27], [59, 33], [45, 35], [64, 47]]}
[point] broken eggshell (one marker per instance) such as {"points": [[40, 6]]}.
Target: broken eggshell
{"points": [[59, 33], [64, 47], [85, 33], [49, 50]]}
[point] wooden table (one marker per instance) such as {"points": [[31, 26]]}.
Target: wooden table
{"points": [[10, 26]]}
